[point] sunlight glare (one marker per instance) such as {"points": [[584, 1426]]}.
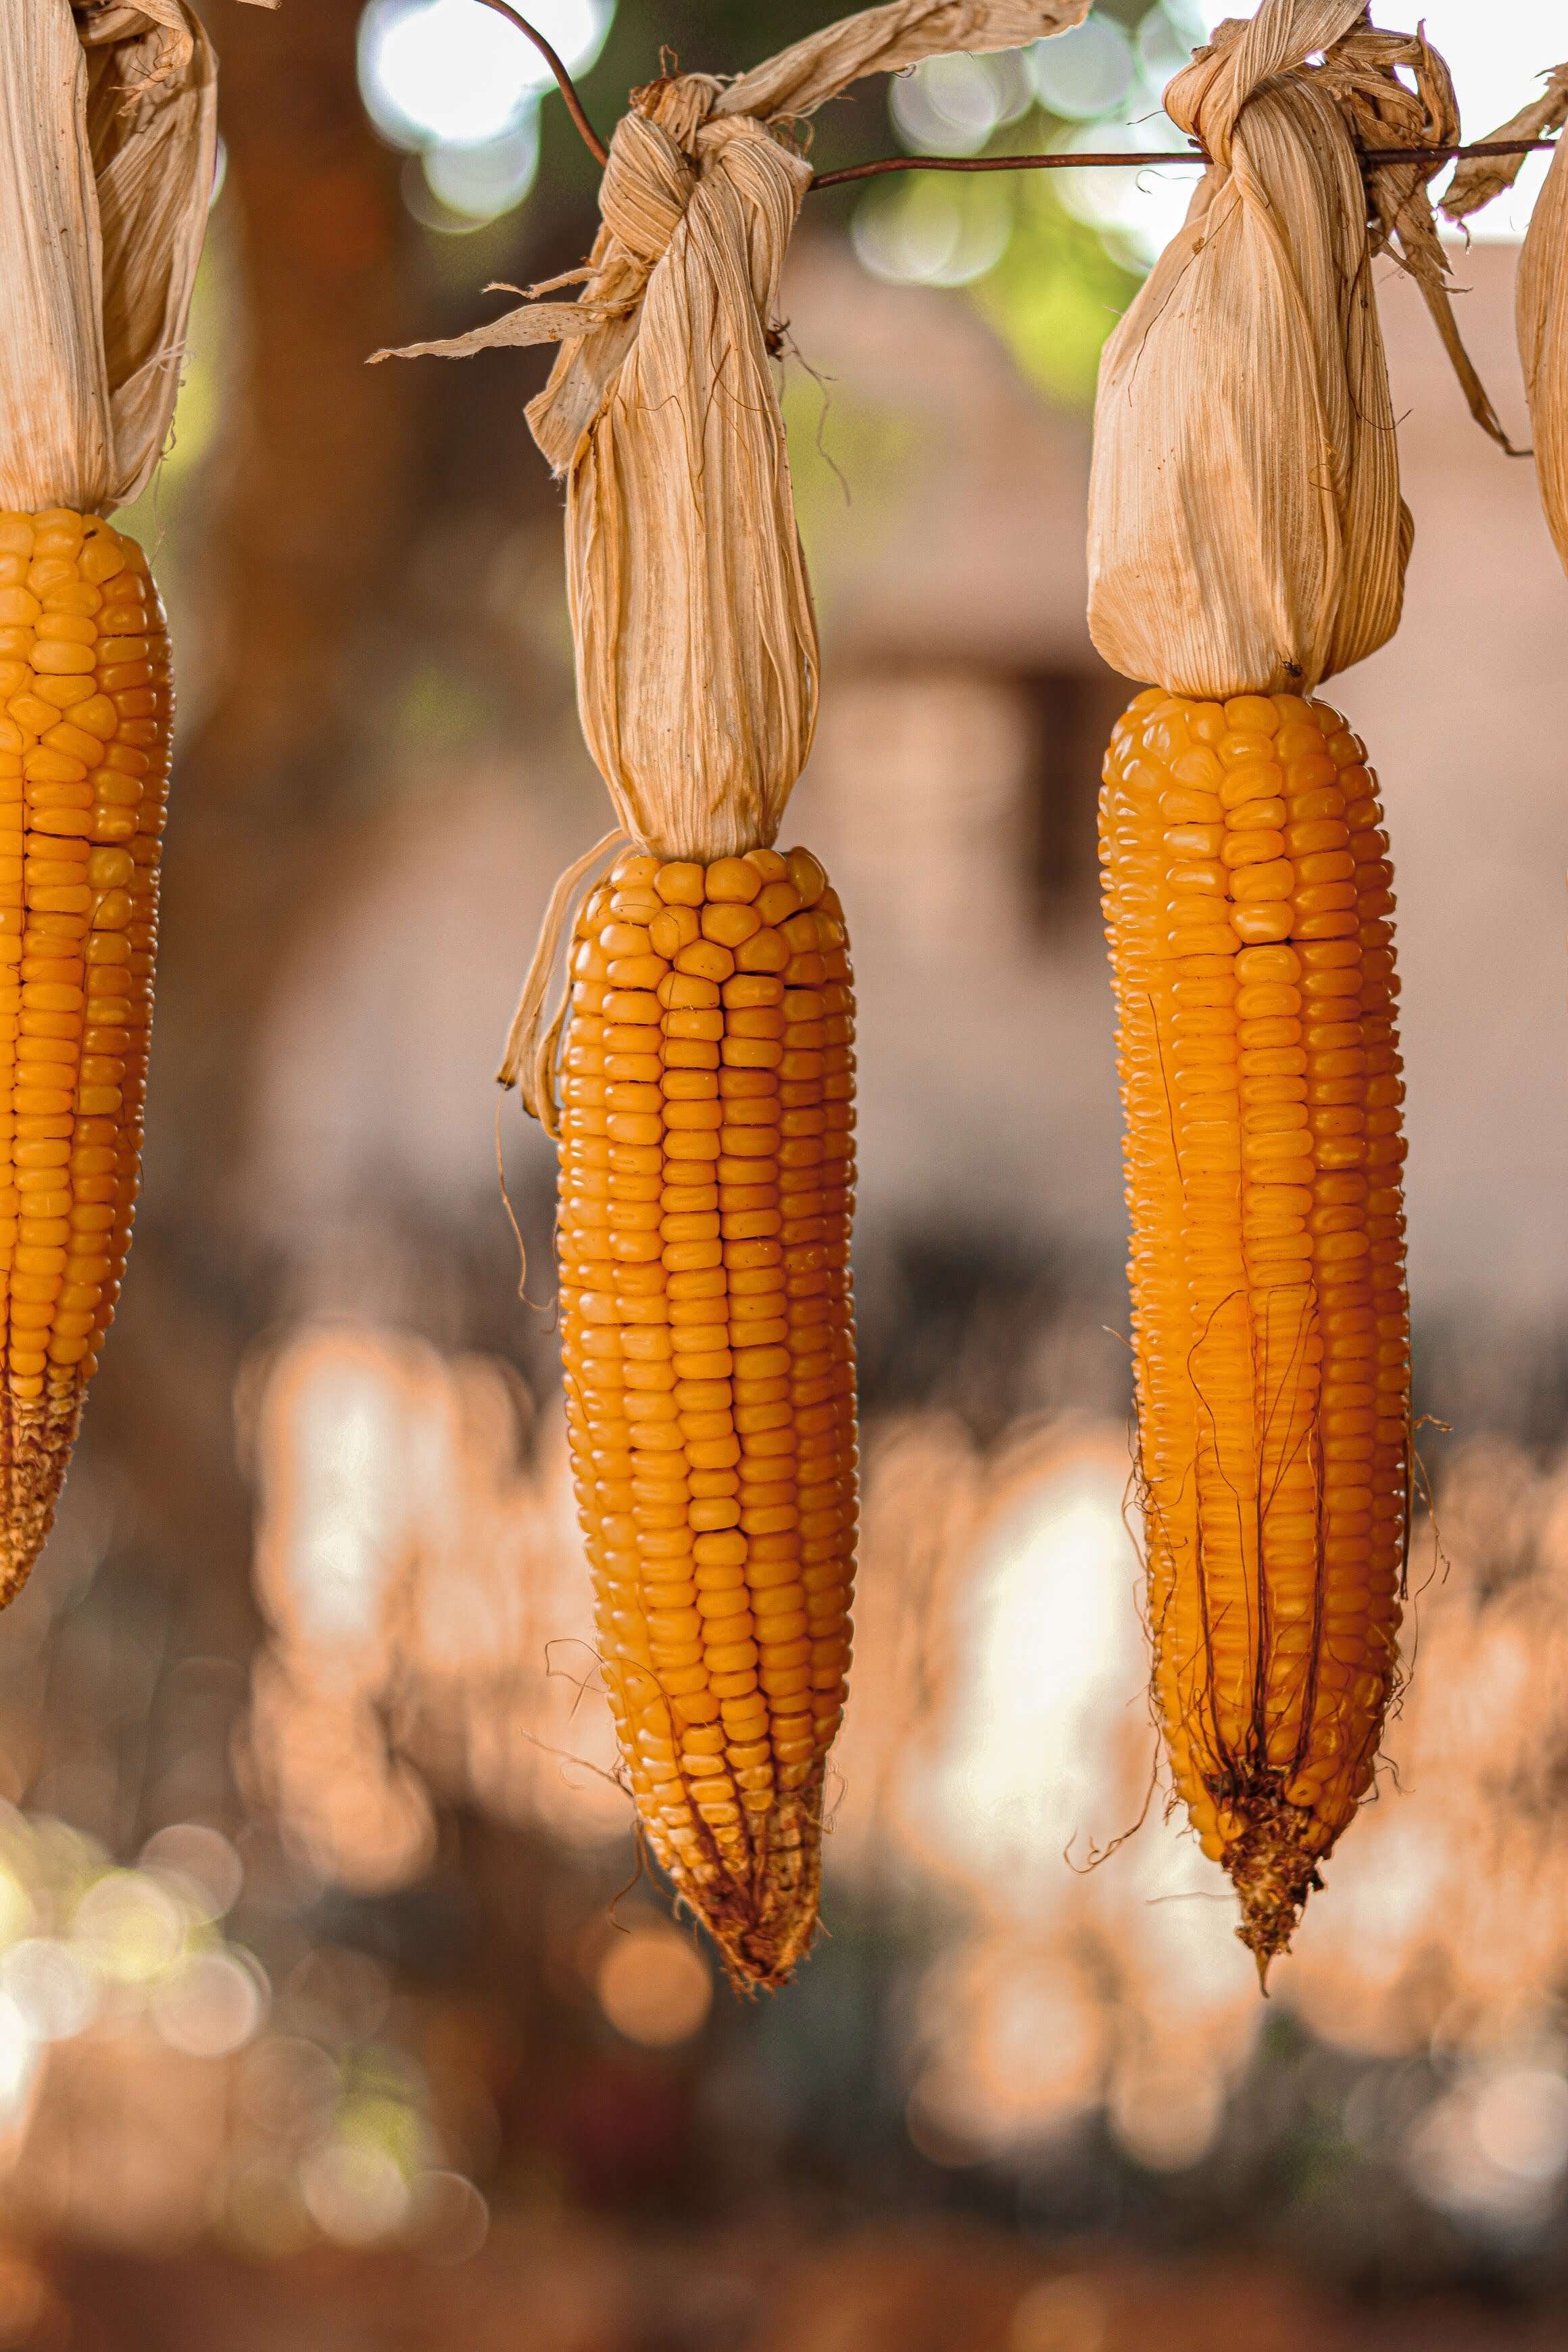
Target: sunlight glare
{"points": [[18, 2061], [451, 73], [1055, 1649]]}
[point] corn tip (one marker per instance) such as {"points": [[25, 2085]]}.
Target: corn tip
{"points": [[36, 1442]]}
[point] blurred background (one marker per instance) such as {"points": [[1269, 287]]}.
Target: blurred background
{"points": [[336, 2007]]}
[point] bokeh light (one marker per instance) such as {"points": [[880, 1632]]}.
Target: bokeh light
{"points": [[206, 1872], [926, 232], [458, 87], [210, 2007], [476, 184], [953, 105], [410, 1563], [54, 1985], [1098, 88], [448, 2221], [129, 1926], [1138, 211], [152, 2079], [1050, 1652], [19, 2058], [654, 1986], [452, 73], [1084, 74], [355, 2191]]}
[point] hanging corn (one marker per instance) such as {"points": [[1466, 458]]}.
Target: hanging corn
{"points": [[108, 121], [700, 1077], [1247, 541]]}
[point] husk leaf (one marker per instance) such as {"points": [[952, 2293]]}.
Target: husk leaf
{"points": [[1479, 179], [1542, 311], [1540, 294], [108, 140], [696, 643], [1246, 533]]}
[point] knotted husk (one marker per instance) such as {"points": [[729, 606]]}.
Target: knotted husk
{"points": [[696, 651], [108, 142], [696, 673], [1541, 295], [1246, 533]]}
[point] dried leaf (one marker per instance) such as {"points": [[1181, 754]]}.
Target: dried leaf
{"points": [[108, 141], [1481, 178], [887, 40]]}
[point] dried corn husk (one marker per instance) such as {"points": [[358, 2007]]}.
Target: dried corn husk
{"points": [[1246, 533], [697, 653], [1541, 293], [1480, 178], [108, 137], [1541, 300]]}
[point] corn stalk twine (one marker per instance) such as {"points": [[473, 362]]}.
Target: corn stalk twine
{"points": [[1246, 533]]}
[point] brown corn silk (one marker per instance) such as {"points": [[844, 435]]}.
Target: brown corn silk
{"points": [[107, 145], [1247, 540], [1541, 292], [699, 1074]]}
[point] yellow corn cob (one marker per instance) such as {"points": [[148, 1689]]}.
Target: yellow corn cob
{"points": [[85, 707], [1247, 904], [707, 1343]]}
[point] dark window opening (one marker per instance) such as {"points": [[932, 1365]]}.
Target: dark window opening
{"points": [[1072, 712]]}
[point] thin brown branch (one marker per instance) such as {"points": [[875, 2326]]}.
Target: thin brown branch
{"points": [[1061, 160], [574, 107], [1454, 154], [1065, 160]]}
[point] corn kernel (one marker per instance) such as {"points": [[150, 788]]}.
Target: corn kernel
{"points": [[1246, 1081], [685, 1329], [76, 926]]}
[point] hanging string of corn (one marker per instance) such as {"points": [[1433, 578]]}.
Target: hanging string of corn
{"points": [[700, 1075], [1247, 541], [107, 120]]}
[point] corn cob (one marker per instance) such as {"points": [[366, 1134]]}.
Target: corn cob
{"points": [[85, 707], [706, 1175], [1247, 905]]}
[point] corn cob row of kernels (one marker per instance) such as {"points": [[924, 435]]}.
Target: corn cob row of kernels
{"points": [[707, 1178], [85, 717], [1247, 897]]}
